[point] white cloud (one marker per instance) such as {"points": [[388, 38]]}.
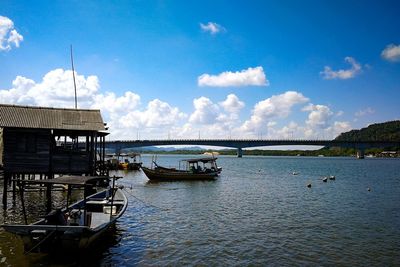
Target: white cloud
{"points": [[330, 74], [111, 103], [277, 106], [156, 114], [212, 27], [56, 89], [206, 112], [122, 113], [337, 128], [8, 35], [319, 116], [339, 113], [391, 53], [250, 77], [232, 104], [127, 119], [365, 112]]}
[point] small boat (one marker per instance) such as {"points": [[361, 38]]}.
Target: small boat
{"points": [[135, 162], [123, 161], [325, 179], [332, 177], [77, 226], [123, 165], [196, 169]]}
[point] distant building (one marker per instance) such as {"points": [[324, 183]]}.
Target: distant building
{"points": [[389, 154]]}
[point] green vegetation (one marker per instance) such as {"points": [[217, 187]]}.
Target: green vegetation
{"points": [[387, 131]]}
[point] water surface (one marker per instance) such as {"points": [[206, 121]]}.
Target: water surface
{"points": [[256, 213]]}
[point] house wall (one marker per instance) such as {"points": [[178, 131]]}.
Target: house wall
{"points": [[26, 150], [35, 151]]}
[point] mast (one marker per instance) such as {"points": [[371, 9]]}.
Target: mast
{"points": [[73, 75]]}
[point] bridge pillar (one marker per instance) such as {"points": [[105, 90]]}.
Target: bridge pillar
{"points": [[360, 153], [239, 152]]}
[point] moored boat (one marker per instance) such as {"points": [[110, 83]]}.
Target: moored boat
{"points": [[135, 162], [196, 169], [76, 226]]}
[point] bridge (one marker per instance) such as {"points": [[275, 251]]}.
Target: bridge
{"points": [[239, 144]]}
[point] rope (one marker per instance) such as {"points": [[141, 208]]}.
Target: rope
{"points": [[144, 202]]}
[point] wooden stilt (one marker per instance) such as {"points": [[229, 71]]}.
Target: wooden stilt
{"points": [[5, 186], [13, 189], [21, 193]]}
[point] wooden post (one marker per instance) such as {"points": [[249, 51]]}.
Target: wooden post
{"points": [[13, 189], [95, 155], [48, 197], [5, 185], [91, 153], [104, 155], [21, 193]]}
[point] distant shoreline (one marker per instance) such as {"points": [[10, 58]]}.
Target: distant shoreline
{"points": [[300, 153]]}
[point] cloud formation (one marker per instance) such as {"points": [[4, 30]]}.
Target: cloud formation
{"points": [[206, 112], [232, 104], [330, 74], [277, 106], [122, 113], [156, 114], [319, 115], [128, 119], [8, 35], [391, 53], [364, 112], [212, 28], [250, 77], [56, 89]]}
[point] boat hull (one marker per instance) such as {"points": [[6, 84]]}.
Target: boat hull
{"points": [[41, 237], [165, 174]]}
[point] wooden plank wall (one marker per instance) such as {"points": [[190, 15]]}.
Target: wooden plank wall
{"points": [[20, 157]]}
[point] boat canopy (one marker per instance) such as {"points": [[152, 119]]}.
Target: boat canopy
{"points": [[68, 180], [203, 160]]}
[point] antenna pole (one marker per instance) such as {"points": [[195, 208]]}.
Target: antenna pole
{"points": [[73, 75]]}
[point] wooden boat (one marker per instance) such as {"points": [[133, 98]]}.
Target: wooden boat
{"points": [[135, 162], [78, 225], [130, 161], [196, 169]]}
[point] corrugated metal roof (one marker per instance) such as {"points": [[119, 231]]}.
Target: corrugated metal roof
{"points": [[50, 118]]}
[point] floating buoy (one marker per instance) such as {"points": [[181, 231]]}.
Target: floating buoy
{"points": [[325, 179], [309, 185]]}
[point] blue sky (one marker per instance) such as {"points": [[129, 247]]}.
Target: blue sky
{"points": [[240, 69]]}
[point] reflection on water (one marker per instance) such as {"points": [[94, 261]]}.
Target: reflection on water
{"points": [[256, 213]]}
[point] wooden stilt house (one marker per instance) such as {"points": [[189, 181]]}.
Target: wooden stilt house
{"points": [[50, 141]]}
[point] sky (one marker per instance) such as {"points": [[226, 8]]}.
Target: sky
{"points": [[208, 69]]}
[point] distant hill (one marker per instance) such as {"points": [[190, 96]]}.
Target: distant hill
{"points": [[387, 131]]}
